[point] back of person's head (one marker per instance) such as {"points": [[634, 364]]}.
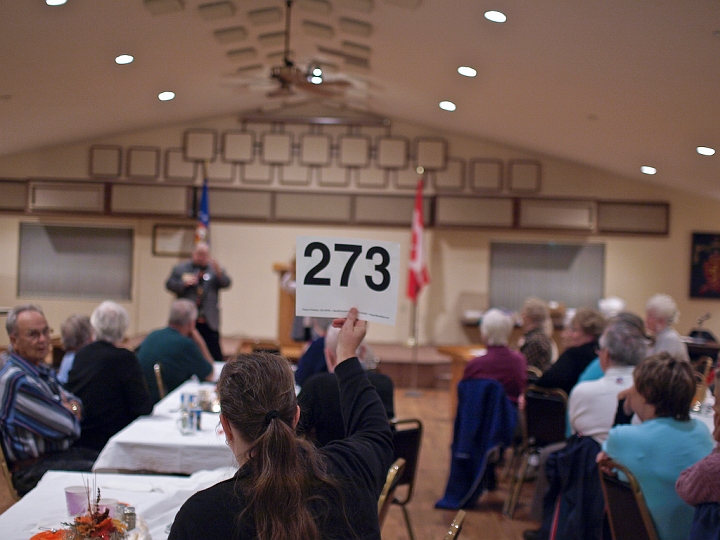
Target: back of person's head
{"points": [[12, 316], [110, 321], [663, 307], [76, 331], [182, 312], [611, 306], [257, 396], [624, 339], [536, 311], [667, 384], [496, 327], [590, 322]]}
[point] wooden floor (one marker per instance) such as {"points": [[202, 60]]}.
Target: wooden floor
{"points": [[483, 522]]}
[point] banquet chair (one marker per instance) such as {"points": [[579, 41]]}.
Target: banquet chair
{"points": [[702, 368], [407, 436], [456, 525], [388, 491], [627, 512], [8, 495], [533, 374], [543, 423], [157, 368]]}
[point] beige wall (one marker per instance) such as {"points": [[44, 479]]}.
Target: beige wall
{"points": [[636, 267]]}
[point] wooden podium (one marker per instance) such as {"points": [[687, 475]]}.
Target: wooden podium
{"points": [[286, 308]]}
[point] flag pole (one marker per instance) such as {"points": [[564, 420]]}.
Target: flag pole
{"points": [[413, 342], [417, 279]]}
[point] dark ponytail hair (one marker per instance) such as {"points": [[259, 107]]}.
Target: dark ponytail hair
{"points": [[257, 396]]}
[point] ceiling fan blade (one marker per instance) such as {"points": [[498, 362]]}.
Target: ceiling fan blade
{"points": [[318, 89], [283, 91]]}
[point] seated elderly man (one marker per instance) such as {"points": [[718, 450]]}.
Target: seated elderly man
{"points": [[660, 314], [39, 420], [500, 363], [76, 332], [536, 346], [319, 399], [108, 379], [178, 348], [582, 339]]}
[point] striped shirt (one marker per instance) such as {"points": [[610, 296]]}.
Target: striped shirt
{"points": [[33, 420]]}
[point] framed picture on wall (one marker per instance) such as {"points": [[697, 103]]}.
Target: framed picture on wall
{"points": [[705, 266], [173, 240]]}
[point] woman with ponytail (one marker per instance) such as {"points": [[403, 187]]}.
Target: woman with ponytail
{"points": [[286, 489]]}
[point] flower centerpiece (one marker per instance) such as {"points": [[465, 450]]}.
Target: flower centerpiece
{"points": [[95, 525]]}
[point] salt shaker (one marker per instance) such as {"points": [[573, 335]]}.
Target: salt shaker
{"points": [[129, 517]]}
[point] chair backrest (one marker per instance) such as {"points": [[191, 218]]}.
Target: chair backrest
{"points": [[533, 374], [545, 415], [157, 368], [8, 495], [407, 437], [456, 525], [388, 491], [625, 505]]}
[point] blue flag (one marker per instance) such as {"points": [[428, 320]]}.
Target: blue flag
{"points": [[202, 231]]}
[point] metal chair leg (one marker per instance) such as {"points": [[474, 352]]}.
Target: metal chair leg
{"points": [[516, 487], [407, 523]]}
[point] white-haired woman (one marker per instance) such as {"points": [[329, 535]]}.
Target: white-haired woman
{"points": [[500, 363], [661, 313], [108, 379]]}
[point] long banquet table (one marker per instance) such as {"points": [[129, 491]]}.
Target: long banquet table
{"points": [[155, 444], [156, 499]]}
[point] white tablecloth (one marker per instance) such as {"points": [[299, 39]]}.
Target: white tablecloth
{"points": [[156, 499], [154, 443]]}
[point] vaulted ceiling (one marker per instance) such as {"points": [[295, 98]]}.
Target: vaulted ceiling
{"points": [[614, 84]]}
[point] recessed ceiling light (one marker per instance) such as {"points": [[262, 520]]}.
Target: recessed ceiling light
{"points": [[317, 72], [467, 71], [166, 96], [646, 169], [495, 16], [705, 150], [447, 106], [123, 59], [316, 80], [55, 2]]}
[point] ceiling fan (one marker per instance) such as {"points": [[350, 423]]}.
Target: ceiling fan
{"points": [[291, 77]]}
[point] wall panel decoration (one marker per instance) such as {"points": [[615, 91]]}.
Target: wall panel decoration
{"points": [[474, 211], [105, 161], [315, 149], [354, 151], [143, 162], [392, 152], [200, 144], [13, 195], [431, 154], [143, 199], [404, 178], [633, 217], [524, 175], [386, 210], [220, 171], [372, 177], [313, 207], [238, 146], [486, 175], [176, 168], [67, 196], [579, 215], [295, 174], [333, 176], [231, 203], [256, 173], [450, 179], [277, 148]]}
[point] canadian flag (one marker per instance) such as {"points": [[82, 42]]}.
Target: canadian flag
{"points": [[418, 275]]}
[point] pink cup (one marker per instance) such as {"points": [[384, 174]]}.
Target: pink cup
{"points": [[109, 504], [76, 498]]}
